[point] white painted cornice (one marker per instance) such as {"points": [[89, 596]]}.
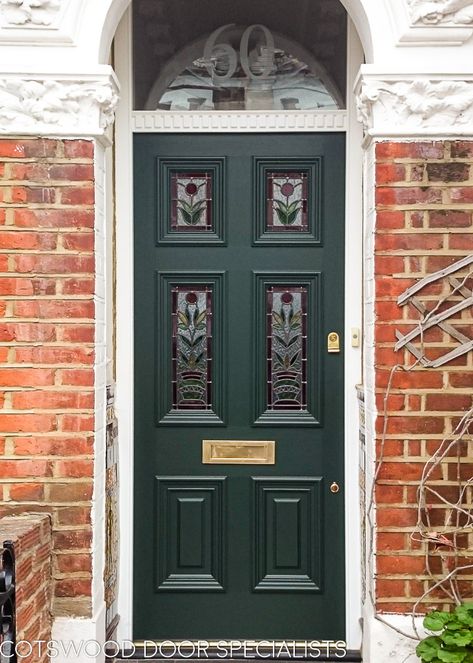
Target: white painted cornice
{"points": [[230, 121], [432, 22], [56, 105], [415, 106]]}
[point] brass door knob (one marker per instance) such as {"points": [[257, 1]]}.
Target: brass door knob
{"points": [[335, 488]]}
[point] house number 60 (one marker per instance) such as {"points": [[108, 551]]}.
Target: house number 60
{"points": [[212, 45]]}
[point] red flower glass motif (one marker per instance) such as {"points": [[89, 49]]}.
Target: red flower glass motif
{"points": [[287, 298], [191, 202], [191, 298], [287, 204], [191, 189], [287, 189]]}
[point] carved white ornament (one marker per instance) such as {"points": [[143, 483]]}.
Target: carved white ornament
{"points": [[55, 106], [438, 12], [416, 107], [24, 13]]}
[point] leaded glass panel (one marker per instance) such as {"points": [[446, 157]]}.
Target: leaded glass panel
{"points": [[286, 347], [191, 347], [191, 202], [287, 202]]}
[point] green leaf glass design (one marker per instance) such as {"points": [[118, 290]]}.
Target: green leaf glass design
{"points": [[287, 202], [287, 360], [191, 360], [191, 200]]}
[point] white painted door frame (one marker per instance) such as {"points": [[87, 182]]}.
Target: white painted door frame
{"points": [[126, 123]]}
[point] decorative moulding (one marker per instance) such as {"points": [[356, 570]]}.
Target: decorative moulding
{"points": [[434, 22], [75, 106], [440, 12], [410, 106], [17, 13], [215, 121], [48, 22]]}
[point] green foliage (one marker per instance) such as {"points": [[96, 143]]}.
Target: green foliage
{"points": [[191, 213], [453, 642], [287, 213]]}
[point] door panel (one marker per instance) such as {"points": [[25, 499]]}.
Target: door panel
{"points": [[287, 538], [189, 519], [238, 279]]}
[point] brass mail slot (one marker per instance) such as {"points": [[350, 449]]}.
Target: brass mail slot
{"points": [[238, 452]]}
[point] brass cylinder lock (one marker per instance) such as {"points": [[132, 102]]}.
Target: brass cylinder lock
{"points": [[335, 488]]}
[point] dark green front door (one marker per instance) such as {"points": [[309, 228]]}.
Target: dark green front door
{"points": [[239, 272]]}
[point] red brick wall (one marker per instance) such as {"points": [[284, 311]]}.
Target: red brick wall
{"points": [[424, 199], [46, 348], [32, 541]]}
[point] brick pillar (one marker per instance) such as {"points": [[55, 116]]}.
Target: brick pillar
{"points": [[424, 197], [47, 349], [32, 543]]}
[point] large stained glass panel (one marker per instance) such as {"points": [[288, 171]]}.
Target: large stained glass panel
{"points": [[191, 202], [286, 207], [191, 347], [286, 347]]}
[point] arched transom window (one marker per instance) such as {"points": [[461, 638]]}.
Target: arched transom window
{"points": [[217, 55]]}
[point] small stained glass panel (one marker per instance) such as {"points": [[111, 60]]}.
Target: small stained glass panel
{"points": [[286, 347], [191, 347], [286, 207], [191, 202]]}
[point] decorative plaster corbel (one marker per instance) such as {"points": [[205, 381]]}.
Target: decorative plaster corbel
{"points": [[26, 13], [439, 22], [440, 12], [416, 107], [59, 107]]}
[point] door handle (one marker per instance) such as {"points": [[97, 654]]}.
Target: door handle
{"points": [[334, 488]]}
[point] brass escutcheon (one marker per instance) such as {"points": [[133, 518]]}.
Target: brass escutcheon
{"points": [[333, 342], [335, 488]]}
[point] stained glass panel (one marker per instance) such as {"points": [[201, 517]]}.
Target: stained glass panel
{"points": [[287, 202], [286, 347], [191, 347], [191, 202]]}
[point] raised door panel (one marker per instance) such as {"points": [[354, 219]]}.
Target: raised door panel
{"points": [[190, 534], [287, 534]]}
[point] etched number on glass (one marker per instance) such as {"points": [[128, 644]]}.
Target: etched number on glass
{"points": [[286, 347], [287, 202], [191, 347], [191, 202]]}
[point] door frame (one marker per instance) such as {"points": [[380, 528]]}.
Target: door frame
{"points": [[123, 186]]}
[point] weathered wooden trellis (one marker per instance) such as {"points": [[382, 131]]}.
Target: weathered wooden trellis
{"points": [[431, 318]]}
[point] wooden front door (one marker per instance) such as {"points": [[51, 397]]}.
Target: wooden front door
{"points": [[239, 273]]}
